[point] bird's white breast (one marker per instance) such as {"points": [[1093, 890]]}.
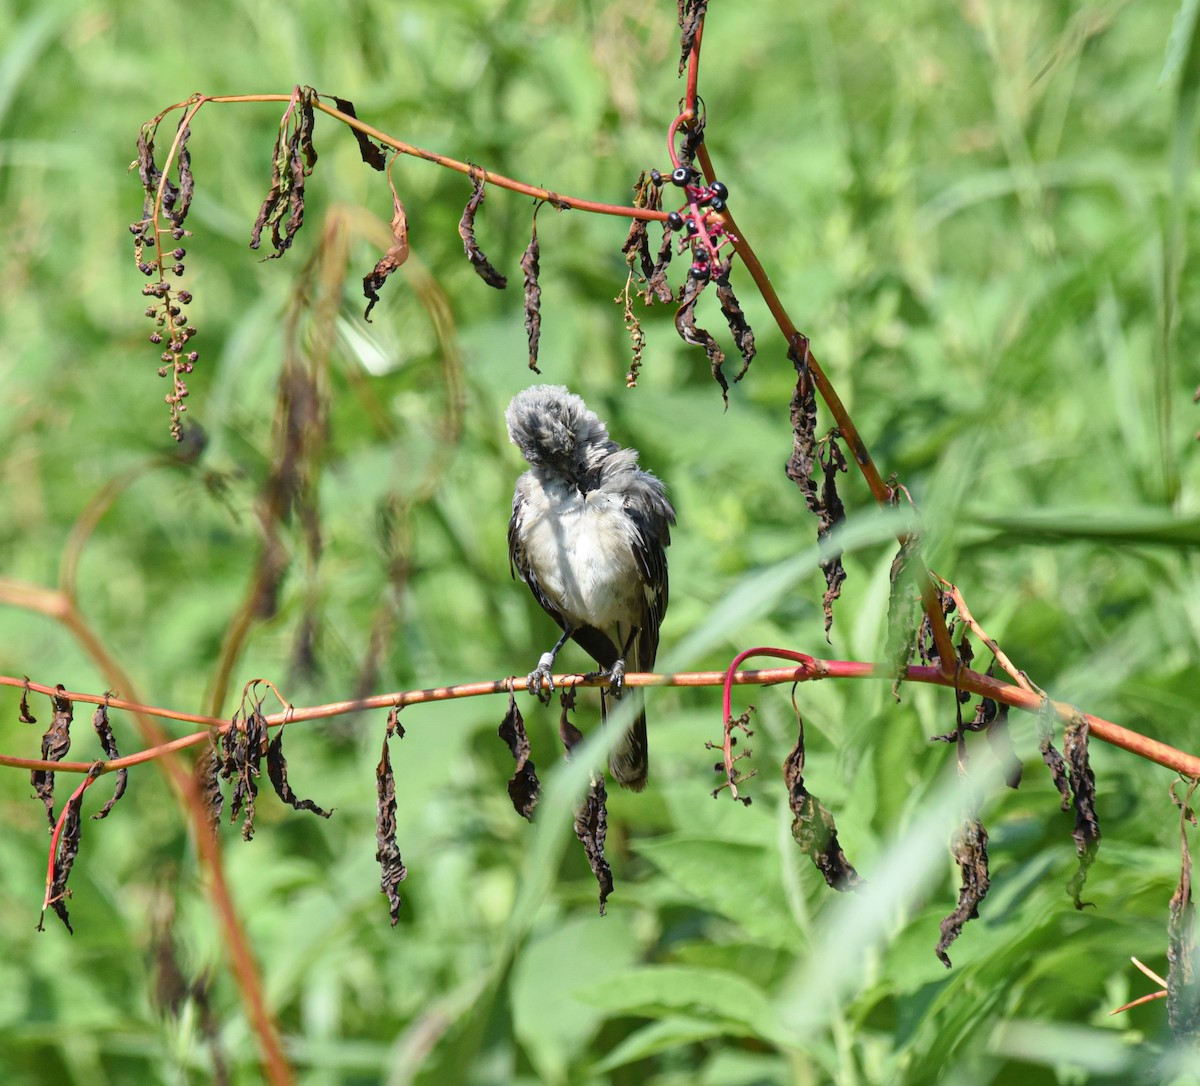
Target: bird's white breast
{"points": [[582, 550]]}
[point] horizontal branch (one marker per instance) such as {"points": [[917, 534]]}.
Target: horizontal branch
{"points": [[986, 686]]}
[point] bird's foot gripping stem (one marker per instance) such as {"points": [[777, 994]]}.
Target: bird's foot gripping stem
{"points": [[616, 678], [540, 682]]}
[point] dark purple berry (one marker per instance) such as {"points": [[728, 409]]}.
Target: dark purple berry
{"points": [[178, 269], [717, 203], [656, 177], [675, 220], [681, 175], [155, 338], [193, 357], [184, 296], [166, 356], [700, 272], [179, 254], [719, 190]]}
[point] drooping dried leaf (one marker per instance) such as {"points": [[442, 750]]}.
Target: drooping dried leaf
{"points": [[466, 230], [181, 197], [833, 512], [396, 255], [693, 136], [277, 771], [1183, 977], [591, 816], [65, 853], [970, 853], [743, 335], [244, 745], [392, 871], [691, 13], [1046, 717], [109, 744], [26, 717], [208, 777], [531, 267], [292, 161], [523, 787], [657, 287], [691, 333], [1083, 791], [55, 743], [812, 824], [371, 153], [808, 456]]}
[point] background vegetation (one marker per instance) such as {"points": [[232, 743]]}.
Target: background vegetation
{"points": [[980, 213]]}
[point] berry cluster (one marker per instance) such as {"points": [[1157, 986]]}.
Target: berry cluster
{"points": [[170, 322], [702, 236]]}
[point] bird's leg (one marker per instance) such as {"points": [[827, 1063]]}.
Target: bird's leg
{"points": [[616, 673], [541, 679]]}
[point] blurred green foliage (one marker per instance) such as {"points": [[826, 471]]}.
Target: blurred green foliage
{"points": [[982, 214]]}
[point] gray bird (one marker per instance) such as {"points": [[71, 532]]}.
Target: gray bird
{"points": [[588, 535]]}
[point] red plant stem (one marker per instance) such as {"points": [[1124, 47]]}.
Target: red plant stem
{"points": [[693, 72], [882, 492], [812, 668]]}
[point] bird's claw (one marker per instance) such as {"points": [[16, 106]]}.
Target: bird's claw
{"points": [[540, 682], [616, 678]]}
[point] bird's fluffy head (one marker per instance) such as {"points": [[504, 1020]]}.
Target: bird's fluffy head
{"points": [[554, 429]]}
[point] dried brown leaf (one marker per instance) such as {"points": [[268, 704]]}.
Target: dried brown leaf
{"points": [[691, 333], [1083, 793], [396, 255], [66, 852], [743, 335], [278, 772], [813, 826], [371, 153], [531, 267], [466, 230], [970, 853], [523, 787], [55, 743], [691, 14], [109, 743], [392, 871]]}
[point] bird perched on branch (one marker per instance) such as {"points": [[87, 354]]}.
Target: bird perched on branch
{"points": [[588, 534]]}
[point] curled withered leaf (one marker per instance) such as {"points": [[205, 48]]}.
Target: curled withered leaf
{"points": [[691, 13], [292, 161], [1046, 717], [466, 230], [657, 287], [832, 460], [531, 267], [523, 787], [278, 772], [743, 335], [66, 851], [591, 827], [181, 196], [1183, 977], [244, 745], [208, 776], [693, 136], [392, 871], [371, 153], [109, 743], [26, 717], [809, 455], [55, 743], [591, 816], [813, 826], [1083, 792], [691, 333], [396, 255], [970, 853]]}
